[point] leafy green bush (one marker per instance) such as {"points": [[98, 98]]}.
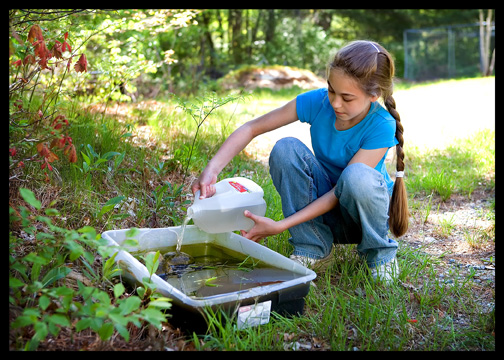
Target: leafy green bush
{"points": [[39, 264]]}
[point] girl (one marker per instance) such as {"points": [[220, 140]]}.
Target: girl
{"points": [[341, 192]]}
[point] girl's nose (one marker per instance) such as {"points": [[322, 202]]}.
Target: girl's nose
{"points": [[336, 103]]}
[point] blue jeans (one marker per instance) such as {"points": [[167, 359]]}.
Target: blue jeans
{"points": [[361, 216]]}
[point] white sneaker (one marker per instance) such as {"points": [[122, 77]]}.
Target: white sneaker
{"points": [[386, 273], [317, 265]]}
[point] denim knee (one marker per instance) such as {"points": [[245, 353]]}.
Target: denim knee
{"points": [[357, 181], [283, 150]]}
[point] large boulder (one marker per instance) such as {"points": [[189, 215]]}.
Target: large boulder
{"points": [[273, 77]]}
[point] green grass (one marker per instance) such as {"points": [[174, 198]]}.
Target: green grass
{"points": [[344, 310], [460, 168]]}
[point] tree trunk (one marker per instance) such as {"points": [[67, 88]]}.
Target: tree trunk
{"points": [[236, 26], [270, 26], [485, 36]]}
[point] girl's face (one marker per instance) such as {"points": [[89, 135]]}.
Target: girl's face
{"points": [[349, 102]]}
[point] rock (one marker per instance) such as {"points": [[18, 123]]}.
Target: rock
{"points": [[273, 77]]}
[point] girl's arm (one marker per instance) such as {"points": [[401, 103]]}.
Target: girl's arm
{"points": [[238, 140], [368, 157], [266, 227]]}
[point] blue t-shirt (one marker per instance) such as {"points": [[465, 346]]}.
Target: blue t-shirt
{"points": [[334, 148]]}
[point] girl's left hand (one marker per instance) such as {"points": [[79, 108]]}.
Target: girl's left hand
{"points": [[263, 227]]}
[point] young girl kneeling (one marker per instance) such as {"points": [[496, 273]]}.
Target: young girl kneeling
{"points": [[341, 193]]}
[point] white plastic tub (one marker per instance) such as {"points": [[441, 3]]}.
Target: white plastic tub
{"points": [[286, 298]]}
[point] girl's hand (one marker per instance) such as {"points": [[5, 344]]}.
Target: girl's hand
{"points": [[205, 184], [263, 227]]}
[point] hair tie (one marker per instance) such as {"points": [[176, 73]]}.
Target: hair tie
{"points": [[377, 50], [399, 174]]}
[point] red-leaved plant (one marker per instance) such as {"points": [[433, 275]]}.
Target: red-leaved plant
{"points": [[38, 53]]}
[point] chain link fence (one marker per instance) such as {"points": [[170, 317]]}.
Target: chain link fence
{"points": [[443, 52]]}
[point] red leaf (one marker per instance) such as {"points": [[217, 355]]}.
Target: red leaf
{"points": [[66, 35], [17, 63], [35, 33], [42, 149], [72, 157], [29, 59], [51, 157], [66, 45], [57, 50], [43, 53], [81, 64], [12, 151]]}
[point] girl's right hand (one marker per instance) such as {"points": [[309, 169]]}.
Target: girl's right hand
{"points": [[205, 184]]}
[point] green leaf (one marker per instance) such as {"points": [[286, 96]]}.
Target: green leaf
{"points": [[40, 330], [118, 290], [99, 161], [152, 261], [116, 200], [15, 283], [105, 209], [52, 212], [106, 331], [30, 198], [53, 329], [132, 232], [83, 324], [59, 319], [34, 258], [64, 291], [108, 266], [163, 303], [120, 216], [110, 155], [140, 291], [154, 317], [91, 231], [86, 159], [44, 302], [55, 274], [129, 304], [109, 205], [23, 320], [122, 330]]}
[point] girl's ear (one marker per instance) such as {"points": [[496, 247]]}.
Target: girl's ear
{"points": [[374, 98]]}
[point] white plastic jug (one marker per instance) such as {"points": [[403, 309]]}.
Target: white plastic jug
{"points": [[223, 212]]}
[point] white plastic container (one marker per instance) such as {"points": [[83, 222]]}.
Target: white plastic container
{"points": [[223, 211], [285, 298]]}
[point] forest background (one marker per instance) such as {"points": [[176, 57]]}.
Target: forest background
{"points": [[144, 52]]}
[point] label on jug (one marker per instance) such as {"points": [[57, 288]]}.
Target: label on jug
{"points": [[239, 187]]}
